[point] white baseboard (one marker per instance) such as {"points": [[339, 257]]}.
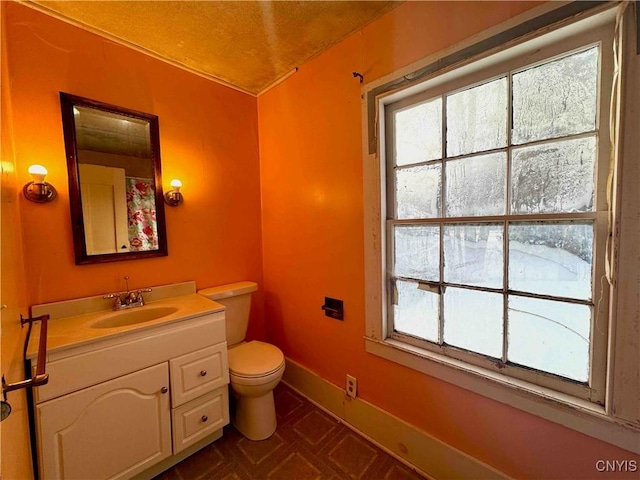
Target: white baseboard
{"points": [[413, 447]]}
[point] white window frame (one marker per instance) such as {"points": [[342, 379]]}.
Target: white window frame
{"points": [[569, 406]]}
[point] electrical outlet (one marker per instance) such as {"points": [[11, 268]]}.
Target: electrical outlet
{"points": [[352, 386]]}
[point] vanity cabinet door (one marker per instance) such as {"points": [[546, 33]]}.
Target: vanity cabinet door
{"points": [[112, 430]]}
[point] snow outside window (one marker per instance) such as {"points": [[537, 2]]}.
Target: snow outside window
{"points": [[494, 236]]}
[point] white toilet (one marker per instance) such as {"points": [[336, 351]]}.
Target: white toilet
{"points": [[255, 368]]}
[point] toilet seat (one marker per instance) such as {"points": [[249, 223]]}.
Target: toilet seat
{"points": [[254, 360], [256, 381]]}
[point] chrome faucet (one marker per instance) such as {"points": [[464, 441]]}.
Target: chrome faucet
{"points": [[128, 299]]}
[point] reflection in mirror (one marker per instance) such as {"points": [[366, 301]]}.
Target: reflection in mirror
{"points": [[116, 182], [115, 188]]}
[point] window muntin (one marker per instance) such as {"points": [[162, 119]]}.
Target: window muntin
{"points": [[513, 210]]}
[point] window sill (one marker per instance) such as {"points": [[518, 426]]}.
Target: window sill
{"points": [[576, 414]]}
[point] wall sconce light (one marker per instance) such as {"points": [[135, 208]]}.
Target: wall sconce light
{"points": [[38, 190], [174, 197]]}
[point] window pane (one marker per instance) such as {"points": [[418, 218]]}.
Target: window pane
{"points": [[550, 336], [477, 118], [473, 320], [418, 191], [554, 178], [417, 252], [418, 133], [417, 311], [556, 99], [473, 254], [476, 185], [551, 258]]}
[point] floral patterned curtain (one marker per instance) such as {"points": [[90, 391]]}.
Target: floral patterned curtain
{"points": [[141, 212]]}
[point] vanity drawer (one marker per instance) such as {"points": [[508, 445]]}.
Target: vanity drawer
{"points": [[199, 418], [197, 373]]}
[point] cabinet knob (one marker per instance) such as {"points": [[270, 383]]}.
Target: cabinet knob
{"points": [[164, 390], [203, 373], [204, 418]]}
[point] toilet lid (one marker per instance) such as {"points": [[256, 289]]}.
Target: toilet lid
{"points": [[254, 359]]}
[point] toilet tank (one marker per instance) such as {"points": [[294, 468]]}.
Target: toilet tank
{"points": [[236, 297]]}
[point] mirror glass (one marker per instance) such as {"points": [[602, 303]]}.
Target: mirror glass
{"points": [[115, 186]]}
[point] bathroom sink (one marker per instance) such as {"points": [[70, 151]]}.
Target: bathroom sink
{"points": [[133, 317]]}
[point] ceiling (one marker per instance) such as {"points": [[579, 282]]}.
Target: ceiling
{"points": [[249, 45]]}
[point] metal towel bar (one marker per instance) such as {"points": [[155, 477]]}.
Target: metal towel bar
{"points": [[41, 377]]}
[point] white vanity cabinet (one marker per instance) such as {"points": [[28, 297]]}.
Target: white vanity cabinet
{"points": [[133, 404]]}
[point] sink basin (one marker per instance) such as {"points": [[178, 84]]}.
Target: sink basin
{"points": [[133, 317]]}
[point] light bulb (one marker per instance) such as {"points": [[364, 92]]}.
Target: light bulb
{"points": [[38, 172], [176, 184]]}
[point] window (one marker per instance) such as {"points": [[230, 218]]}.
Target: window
{"points": [[496, 216], [485, 240]]}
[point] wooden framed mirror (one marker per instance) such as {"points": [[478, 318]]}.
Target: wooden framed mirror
{"points": [[115, 182]]}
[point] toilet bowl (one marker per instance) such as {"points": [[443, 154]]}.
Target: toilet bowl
{"points": [[255, 368]]}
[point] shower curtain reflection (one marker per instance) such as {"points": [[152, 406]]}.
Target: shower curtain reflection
{"points": [[141, 214]]}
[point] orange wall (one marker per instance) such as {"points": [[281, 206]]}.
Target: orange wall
{"points": [[312, 216], [15, 459], [208, 139]]}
